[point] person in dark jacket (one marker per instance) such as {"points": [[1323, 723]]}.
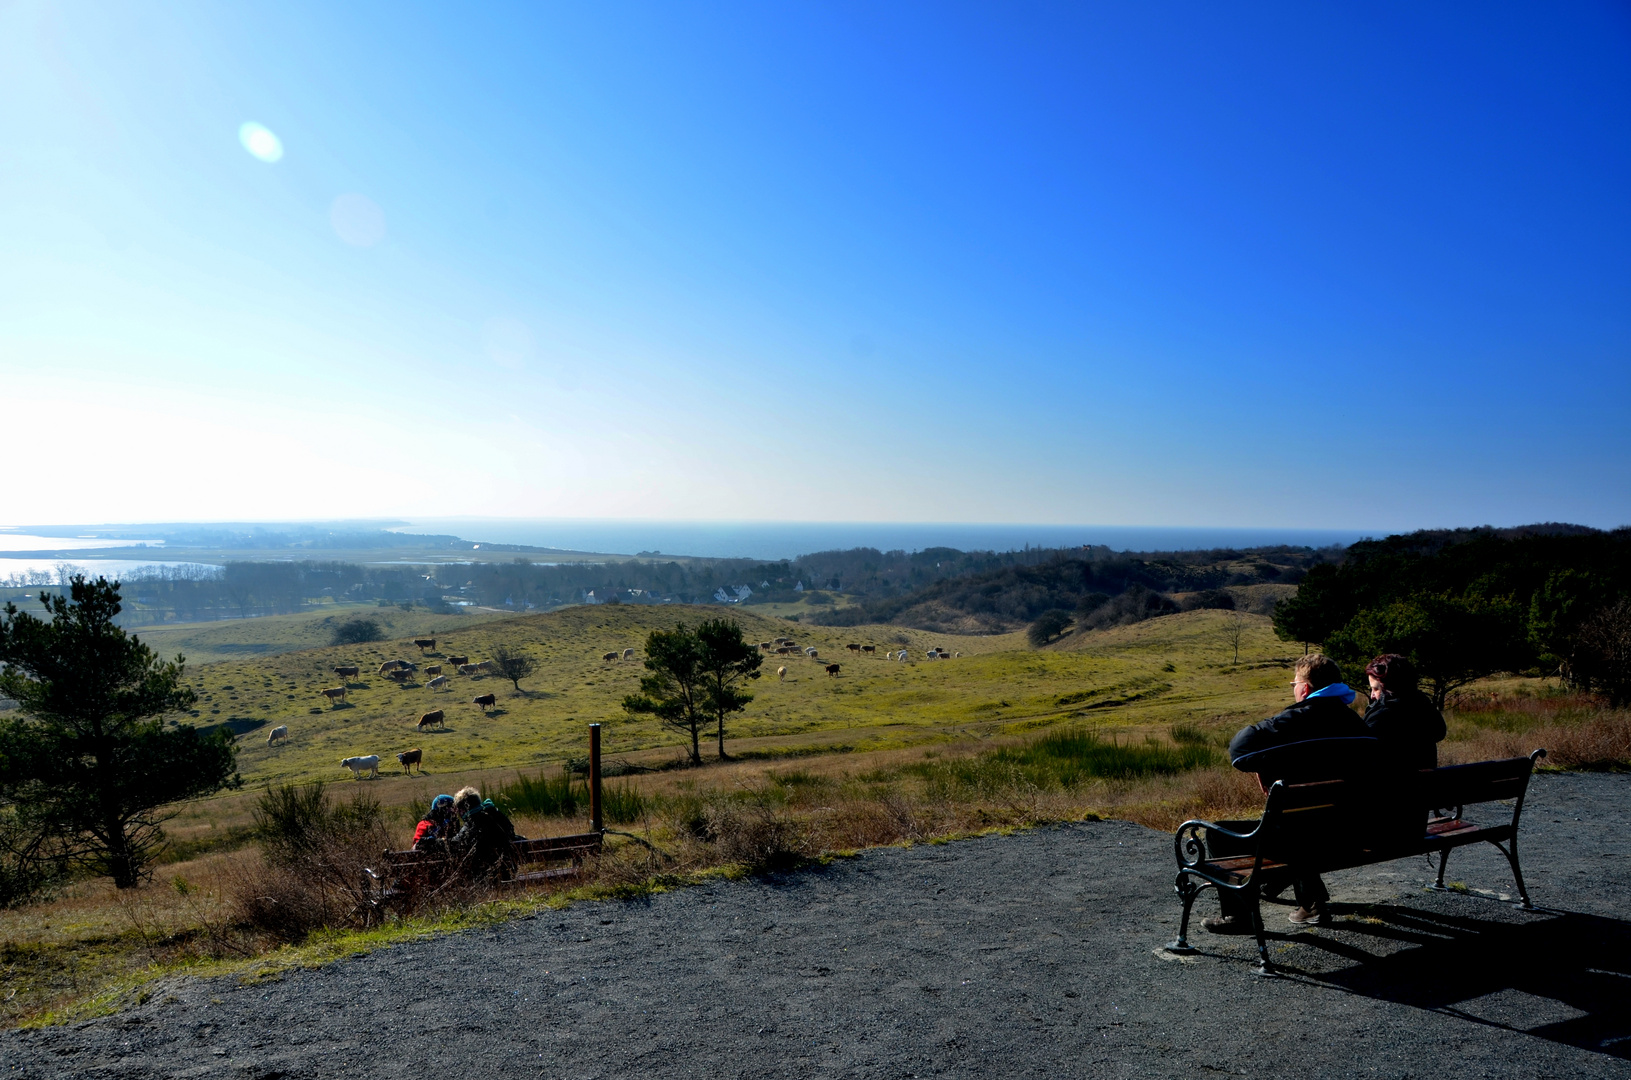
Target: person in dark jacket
{"points": [[1318, 738], [484, 839], [1401, 716]]}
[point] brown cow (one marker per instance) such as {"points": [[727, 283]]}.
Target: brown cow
{"points": [[400, 675], [486, 701], [348, 671], [412, 757], [469, 669], [869, 648], [336, 694], [458, 661], [832, 669], [431, 719], [853, 647], [437, 683], [613, 655], [424, 643], [434, 669]]}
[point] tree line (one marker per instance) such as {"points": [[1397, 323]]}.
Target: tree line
{"points": [[1463, 604]]}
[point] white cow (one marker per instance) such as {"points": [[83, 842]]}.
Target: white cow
{"points": [[360, 765], [901, 656], [277, 733], [628, 654], [781, 673], [811, 652]]}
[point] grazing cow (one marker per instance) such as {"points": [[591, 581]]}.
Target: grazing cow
{"points": [[400, 675], [279, 734], [901, 656], [853, 647], [811, 653], [765, 645], [486, 701], [458, 661], [469, 669], [360, 765], [784, 641], [411, 757], [388, 666], [628, 654], [613, 655], [869, 648], [487, 666], [430, 719], [781, 673], [425, 643], [832, 669], [437, 683], [336, 694], [434, 669], [348, 671]]}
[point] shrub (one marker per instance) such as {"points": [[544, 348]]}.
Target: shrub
{"points": [[1049, 625], [755, 831], [356, 632], [1209, 598], [1134, 605]]}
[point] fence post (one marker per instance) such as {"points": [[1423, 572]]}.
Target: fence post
{"points": [[595, 822]]}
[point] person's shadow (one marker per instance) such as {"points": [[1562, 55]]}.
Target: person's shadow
{"points": [[1555, 975]]}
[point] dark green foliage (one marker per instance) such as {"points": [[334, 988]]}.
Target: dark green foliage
{"points": [[514, 665], [1049, 625], [1209, 599], [1134, 605], [1091, 602], [562, 796], [89, 762], [1468, 603], [295, 822], [356, 632], [695, 678]]}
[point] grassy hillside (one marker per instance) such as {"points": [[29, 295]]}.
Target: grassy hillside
{"points": [[212, 642], [1117, 679]]}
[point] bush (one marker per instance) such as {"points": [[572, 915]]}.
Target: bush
{"points": [[756, 832], [357, 632], [313, 853], [1209, 598], [1134, 605], [1049, 625]]}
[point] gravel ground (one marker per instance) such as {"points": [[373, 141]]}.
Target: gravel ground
{"points": [[1036, 954]]}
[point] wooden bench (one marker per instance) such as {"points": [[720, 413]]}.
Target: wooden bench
{"points": [[1341, 824], [406, 876]]}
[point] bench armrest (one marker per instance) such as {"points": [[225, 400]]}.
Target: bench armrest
{"points": [[1188, 846]]}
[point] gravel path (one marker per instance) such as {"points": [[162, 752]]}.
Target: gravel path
{"points": [[1035, 954]]}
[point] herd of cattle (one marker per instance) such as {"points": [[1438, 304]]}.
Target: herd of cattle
{"points": [[400, 671]]}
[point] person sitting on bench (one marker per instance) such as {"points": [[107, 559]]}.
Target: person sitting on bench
{"points": [[1318, 738], [439, 823], [484, 842], [1400, 715]]}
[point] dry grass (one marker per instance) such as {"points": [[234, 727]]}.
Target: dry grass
{"points": [[750, 814]]}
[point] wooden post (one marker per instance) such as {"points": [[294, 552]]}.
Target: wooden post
{"points": [[595, 822]]}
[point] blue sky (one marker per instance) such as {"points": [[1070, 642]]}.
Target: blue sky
{"points": [[1363, 266]]}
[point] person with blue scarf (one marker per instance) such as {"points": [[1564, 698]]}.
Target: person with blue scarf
{"points": [[1318, 738]]}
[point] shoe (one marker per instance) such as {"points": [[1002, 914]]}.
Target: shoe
{"points": [[1226, 924], [1315, 916]]}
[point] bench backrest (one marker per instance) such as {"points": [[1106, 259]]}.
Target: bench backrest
{"points": [[1331, 821]]}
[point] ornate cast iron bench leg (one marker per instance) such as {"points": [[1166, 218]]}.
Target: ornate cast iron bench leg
{"points": [[1187, 891], [1263, 967]]}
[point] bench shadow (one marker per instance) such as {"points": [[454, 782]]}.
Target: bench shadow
{"points": [[1578, 965]]}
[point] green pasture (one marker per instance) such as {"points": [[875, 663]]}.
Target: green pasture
{"points": [[238, 639], [1168, 670]]}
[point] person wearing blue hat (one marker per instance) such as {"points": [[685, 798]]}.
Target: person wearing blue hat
{"points": [[439, 823]]}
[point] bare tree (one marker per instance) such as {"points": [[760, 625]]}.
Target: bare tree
{"points": [[1234, 629]]}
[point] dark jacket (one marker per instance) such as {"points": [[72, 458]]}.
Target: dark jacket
{"points": [[485, 841], [1408, 727], [1293, 745]]}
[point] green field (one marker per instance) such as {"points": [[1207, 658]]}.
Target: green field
{"points": [[1172, 669], [236, 639]]}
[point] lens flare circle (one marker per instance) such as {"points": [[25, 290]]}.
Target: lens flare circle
{"points": [[260, 142]]}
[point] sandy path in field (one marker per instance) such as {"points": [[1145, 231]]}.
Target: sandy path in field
{"points": [[1036, 954]]}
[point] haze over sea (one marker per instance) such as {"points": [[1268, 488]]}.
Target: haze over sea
{"points": [[789, 539]]}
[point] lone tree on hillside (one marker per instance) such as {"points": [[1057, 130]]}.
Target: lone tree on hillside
{"points": [[694, 678], [1234, 631], [1048, 625], [514, 666], [90, 761]]}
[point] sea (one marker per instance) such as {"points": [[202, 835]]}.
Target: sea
{"points": [[772, 540]]}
